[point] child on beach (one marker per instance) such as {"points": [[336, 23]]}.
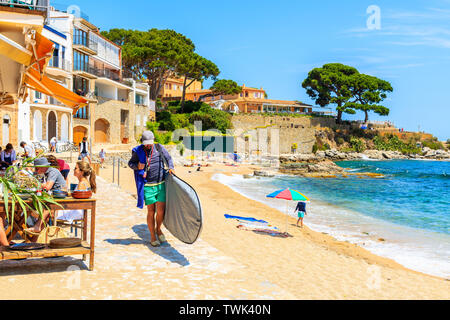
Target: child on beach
{"points": [[102, 156], [301, 209]]}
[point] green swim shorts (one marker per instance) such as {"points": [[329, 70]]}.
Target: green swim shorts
{"points": [[155, 193]]}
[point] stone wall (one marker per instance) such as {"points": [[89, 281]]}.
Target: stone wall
{"points": [[285, 132], [111, 112]]}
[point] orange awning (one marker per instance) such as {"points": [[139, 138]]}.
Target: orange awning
{"points": [[51, 88], [35, 79], [43, 52]]}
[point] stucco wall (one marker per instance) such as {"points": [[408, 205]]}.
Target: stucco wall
{"points": [[12, 112], [44, 114]]}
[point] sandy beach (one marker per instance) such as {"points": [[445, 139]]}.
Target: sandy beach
{"points": [[237, 264], [311, 265]]}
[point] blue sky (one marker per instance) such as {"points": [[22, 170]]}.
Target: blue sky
{"points": [[275, 44]]}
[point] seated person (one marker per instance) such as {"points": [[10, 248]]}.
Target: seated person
{"points": [[61, 165], [83, 171], [3, 239], [53, 181], [8, 157]]}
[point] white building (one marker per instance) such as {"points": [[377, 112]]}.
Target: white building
{"points": [[89, 65]]}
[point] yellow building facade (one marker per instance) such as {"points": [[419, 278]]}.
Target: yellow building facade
{"points": [[173, 88]]}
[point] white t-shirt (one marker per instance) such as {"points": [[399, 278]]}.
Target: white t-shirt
{"points": [[30, 151]]}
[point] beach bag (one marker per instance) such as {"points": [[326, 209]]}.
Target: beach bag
{"points": [[183, 216], [51, 233]]}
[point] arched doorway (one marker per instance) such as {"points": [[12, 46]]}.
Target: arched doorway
{"points": [[101, 131], [51, 126], [64, 128], [6, 128], [78, 134], [37, 126]]}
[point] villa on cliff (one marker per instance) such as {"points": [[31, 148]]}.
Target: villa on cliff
{"points": [[250, 100]]}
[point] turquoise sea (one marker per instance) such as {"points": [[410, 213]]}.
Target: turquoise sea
{"points": [[409, 208]]}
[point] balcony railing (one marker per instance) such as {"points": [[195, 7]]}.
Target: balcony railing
{"points": [[60, 64], [279, 111], [54, 102], [106, 73], [85, 42], [85, 68], [41, 5], [101, 73]]}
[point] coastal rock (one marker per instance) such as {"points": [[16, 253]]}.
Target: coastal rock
{"points": [[325, 166], [374, 154], [264, 174], [386, 155], [321, 155]]}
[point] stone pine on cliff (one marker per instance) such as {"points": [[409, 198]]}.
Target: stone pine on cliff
{"points": [[349, 90], [368, 92]]}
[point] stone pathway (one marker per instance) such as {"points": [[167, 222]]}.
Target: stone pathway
{"points": [[127, 267]]}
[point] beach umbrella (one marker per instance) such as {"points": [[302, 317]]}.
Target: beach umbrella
{"points": [[288, 195]]}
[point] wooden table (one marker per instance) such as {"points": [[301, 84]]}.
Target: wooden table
{"points": [[66, 204]]}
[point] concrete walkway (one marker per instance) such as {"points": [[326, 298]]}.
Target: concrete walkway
{"points": [[127, 267]]}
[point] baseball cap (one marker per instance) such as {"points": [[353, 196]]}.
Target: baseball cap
{"points": [[148, 138]]}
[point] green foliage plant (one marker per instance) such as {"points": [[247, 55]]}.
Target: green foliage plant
{"points": [[358, 145], [14, 189]]}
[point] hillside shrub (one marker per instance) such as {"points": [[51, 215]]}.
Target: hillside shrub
{"points": [[393, 143], [358, 145], [211, 119], [433, 144]]}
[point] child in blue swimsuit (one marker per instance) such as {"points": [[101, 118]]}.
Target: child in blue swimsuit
{"points": [[301, 209]]}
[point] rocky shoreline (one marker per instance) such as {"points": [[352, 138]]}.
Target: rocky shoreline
{"points": [[322, 164], [335, 155]]}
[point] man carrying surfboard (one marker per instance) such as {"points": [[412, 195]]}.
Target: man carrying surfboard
{"points": [[147, 162]]}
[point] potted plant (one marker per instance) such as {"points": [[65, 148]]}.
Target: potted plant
{"points": [[19, 188]]}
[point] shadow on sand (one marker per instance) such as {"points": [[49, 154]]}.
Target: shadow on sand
{"points": [[41, 266], [166, 251]]}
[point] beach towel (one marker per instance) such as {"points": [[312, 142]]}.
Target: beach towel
{"points": [[183, 216], [245, 219], [258, 227], [273, 233]]}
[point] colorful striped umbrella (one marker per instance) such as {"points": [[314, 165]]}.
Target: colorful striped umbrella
{"points": [[289, 195]]}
